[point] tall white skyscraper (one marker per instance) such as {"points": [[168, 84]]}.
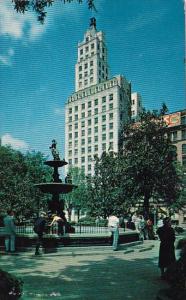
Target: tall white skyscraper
{"points": [[96, 112]]}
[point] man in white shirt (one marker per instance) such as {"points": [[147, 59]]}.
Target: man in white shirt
{"points": [[113, 225]]}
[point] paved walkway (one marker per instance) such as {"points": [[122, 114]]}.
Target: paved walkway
{"points": [[91, 273]]}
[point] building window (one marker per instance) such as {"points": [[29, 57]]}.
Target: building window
{"points": [[76, 143], [92, 46], [95, 120], [86, 49], [86, 74], [83, 142], [111, 106], [111, 116], [96, 139], [103, 108], [89, 167], [76, 134], [91, 79], [91, 71], [96, 102], [104, 127], [87, 39], [83, 150], [96, 129], [80, 68], [83, 124], [81, 52], [80, 84], [76, 108], [89, 122], [89, 158], [111, 135], [89, 113], [80, 76], [70, 119], [89, 149], [183, 134], [89, 140], [91, 63], [96, 111], [174, 136], [83, 115], [70, 161], [104, 99], [103, 118], [83, 106], [96, 148], [76, 151], [70, 127], [86, 66], [70, 110], [83, 133], [89, 130], [110, 125], [104, 136], [70, 136], [86, 82], [111, 97], [70, 152], [76, 161], [70, 144], [76, 117], [83, 159], [89, 104], [133, 101]]}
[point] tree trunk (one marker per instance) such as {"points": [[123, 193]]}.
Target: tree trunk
{"points": [[146, 205]]}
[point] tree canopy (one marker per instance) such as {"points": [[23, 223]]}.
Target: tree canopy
{"points": [[18, 174], [144, 169], [40, 6]]}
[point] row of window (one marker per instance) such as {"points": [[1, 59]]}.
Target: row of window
{"points": [[93, 121], [90, 130], [89, 138], [92, 112], [91, 47], [89, 149], [175, 137], [89, 104]]}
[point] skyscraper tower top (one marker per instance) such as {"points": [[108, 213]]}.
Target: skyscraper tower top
{"points": [[92, 66]]}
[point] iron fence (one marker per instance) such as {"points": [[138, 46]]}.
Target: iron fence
{"points": [[76, 229]]}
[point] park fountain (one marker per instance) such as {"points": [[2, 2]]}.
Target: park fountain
{"points": [[56, 187]]}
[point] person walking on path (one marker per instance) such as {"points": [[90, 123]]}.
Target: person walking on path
{"points": [[40, 228], [10, 231], [167, 250], [141, 228], [113, 225]]}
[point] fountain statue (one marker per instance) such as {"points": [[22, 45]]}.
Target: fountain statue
{"points": [[56, 187]]}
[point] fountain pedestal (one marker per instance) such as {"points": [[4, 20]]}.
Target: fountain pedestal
{"points": [[56, 187]]}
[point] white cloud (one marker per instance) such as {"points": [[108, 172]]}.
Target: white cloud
{"points": [[6, 58], [17, 144], [19, 26]]}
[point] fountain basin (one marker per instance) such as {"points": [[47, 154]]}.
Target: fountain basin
{"points": [[55, 187], [56, 163]]}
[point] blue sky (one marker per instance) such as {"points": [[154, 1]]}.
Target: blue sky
{"points": [[145, 41]]}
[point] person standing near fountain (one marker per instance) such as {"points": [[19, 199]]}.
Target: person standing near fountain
{"points": [[113, 225], [39, 229], [60, 222], [10, 231]]}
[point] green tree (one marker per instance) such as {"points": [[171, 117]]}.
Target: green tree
{"points": [[105, 188], [18, 174], [149, 156], [40, 6], [77, 198]]}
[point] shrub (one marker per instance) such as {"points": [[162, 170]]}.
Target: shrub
{"points": [[10, 286]]}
